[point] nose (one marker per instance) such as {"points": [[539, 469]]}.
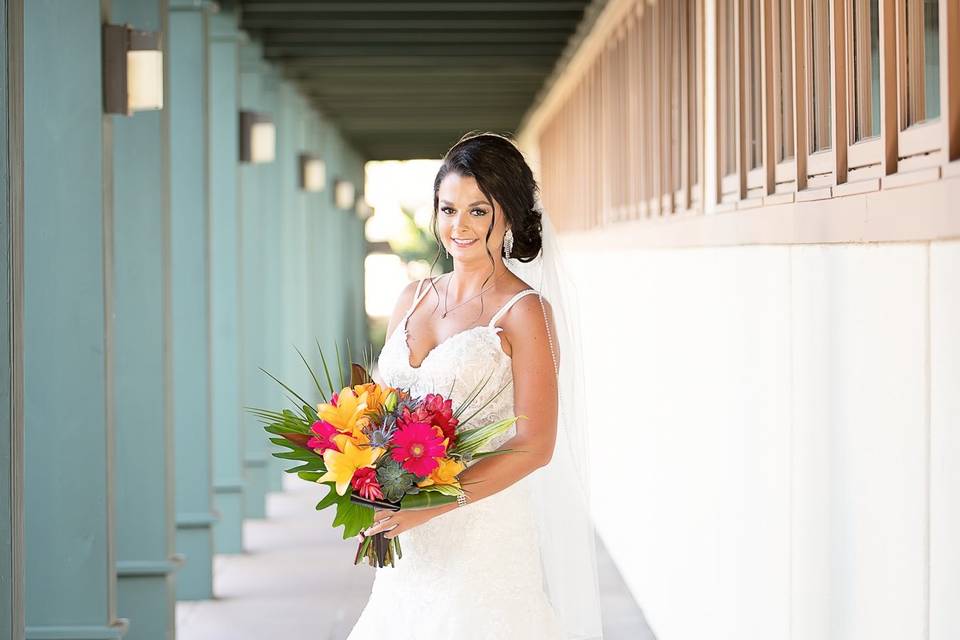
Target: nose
{"points": [[460, 220]]}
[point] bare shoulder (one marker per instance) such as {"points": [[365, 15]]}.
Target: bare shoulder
{"points": [[528, 310], [525, 319], [405, 299]]}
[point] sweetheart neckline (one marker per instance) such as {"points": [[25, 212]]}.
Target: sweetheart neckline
{"points": [[408, 353]]}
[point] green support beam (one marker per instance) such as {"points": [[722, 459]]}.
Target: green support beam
{"points": [[11, 321], [68, 423], [225, 284], [274, 213], [189, 269], [144, 482], [254, 207]]}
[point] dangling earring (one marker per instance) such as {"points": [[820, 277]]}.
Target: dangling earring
{"points": [[507, 243], [445, 250]]}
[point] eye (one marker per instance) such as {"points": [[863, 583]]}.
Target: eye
{"points": [[476, 212]]}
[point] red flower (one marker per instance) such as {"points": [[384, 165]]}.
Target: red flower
{"points": [[436, 411], [324, 438], [442, 413], [365, 483], [417, 445]]}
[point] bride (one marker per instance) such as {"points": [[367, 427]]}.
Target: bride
{"points": [[516, 559]]}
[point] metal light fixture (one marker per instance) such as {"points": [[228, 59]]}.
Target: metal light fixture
{"points": [[344, 194], [313, 173], [132, 70], [258, 137]]}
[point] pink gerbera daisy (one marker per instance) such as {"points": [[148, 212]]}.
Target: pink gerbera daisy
{"points": [[417, 445], [323, 439]]}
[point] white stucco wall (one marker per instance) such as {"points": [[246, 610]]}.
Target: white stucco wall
{"points": [[789, 417]]}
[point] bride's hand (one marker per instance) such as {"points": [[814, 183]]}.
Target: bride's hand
{"points": [[393, 523]]}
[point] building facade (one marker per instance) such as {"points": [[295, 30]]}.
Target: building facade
{"points": [[759, 199]]}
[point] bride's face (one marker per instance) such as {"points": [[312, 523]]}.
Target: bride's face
{"points": [[463, 216]]}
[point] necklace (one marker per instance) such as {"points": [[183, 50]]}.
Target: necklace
{"points": [[447, 310]]}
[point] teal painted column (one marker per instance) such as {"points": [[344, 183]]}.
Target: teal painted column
{"points": [[316, 251], [189, 296], [330, 233], [294, 285], [68, 429], [145, 529], [276, 213], [254, 202], [225, 379], [11, 321]]}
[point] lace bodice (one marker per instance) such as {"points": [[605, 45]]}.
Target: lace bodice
{"points": [[456, 366]]}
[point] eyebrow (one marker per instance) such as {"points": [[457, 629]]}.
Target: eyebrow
{"points": [[469, 205]]}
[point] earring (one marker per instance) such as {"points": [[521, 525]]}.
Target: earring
{"points": [[507, 243], [445, 250]]}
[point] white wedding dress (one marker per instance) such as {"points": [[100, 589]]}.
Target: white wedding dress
{"points": [[473, 573]]}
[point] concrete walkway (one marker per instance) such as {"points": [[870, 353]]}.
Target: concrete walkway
{"points": [[276, 590]]}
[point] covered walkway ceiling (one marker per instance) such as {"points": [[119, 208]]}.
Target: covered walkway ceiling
{"points": [[404, 79]]}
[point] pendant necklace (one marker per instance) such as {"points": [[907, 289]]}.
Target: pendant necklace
{"points": [[447, 310]]}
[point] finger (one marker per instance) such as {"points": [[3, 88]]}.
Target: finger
{"points": [[391, 532], [375, 528]]}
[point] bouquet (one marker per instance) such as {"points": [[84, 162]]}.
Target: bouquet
{"points": [[378, 447]]}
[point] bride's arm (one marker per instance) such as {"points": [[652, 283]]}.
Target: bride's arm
{"points": [[534, 396]]}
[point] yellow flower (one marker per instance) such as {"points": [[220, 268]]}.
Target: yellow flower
{"points": [[342, 466], [376, 395], [445, 473], [346, 414]]}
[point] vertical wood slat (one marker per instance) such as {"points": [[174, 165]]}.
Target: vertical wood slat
{"points": [[656, 128], [839, 94], [679, 111], [888, 84], [699, 110], [800, 91], [682, 185], [769, 74], [633, 124], [951, 58], [646, 76], [819, 64]]}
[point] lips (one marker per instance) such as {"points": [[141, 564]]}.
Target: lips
{"points": [[463, 243]]}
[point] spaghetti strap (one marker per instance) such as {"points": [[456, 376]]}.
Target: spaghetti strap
{"points": [[418, 296], [510, 303]]}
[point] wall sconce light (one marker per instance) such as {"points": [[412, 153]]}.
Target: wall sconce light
{"points": [[344, 194], [132, 70], [363, 208], [258, 137], [313, 173]]}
